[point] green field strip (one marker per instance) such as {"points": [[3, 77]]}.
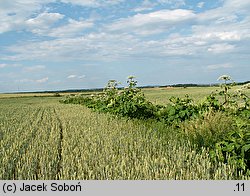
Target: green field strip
{"points": [[12, 153], [42, 155]]}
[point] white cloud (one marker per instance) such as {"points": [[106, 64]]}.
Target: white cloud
{"points": [[221, 48], [43, 80], [228, 12], [9, 65], [81, 77], [154, 22], [71, 76], [94, 46], [230, 36], [93, 3], [230, 31], [148, 5], [14, 13], [237, 4], [145, 6], [124, 38], [201, 4], [219, 66], [141, 9], [42, 23], [73, 28], [218, 35], [35, 68], [38, 24], [173, 3], [3, 65], [115, 46], [56, 82], [76, 77], [44, 19], [25, 80]]}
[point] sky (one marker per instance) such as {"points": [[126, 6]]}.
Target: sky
{"points": [[78, 44]]}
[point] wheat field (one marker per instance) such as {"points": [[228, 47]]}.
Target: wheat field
{"points": [[41, 139]]}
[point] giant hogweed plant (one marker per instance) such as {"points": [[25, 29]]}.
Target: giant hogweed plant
{"points": [[233, 102], [237, 100], [130, 102], [235, 147], [225, 88]]}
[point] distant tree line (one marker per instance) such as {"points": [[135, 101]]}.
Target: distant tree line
{"points": [[141, 87]]}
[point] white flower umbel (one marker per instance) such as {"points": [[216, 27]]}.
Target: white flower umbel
{"points": [[224, 77], [225, 87]]}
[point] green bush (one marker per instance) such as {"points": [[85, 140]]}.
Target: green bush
{"points": [[235, 147], [209, 124], [178, 110], [129, 102]]}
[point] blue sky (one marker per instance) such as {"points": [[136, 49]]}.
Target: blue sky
{"points": [[70, 44]]}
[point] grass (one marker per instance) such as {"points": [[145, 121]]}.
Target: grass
{"points": [[205, 132], [162, 95], [43, 139]]}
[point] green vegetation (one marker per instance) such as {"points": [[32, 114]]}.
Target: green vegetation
{"points": [[225, 143], [130, 137]]}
